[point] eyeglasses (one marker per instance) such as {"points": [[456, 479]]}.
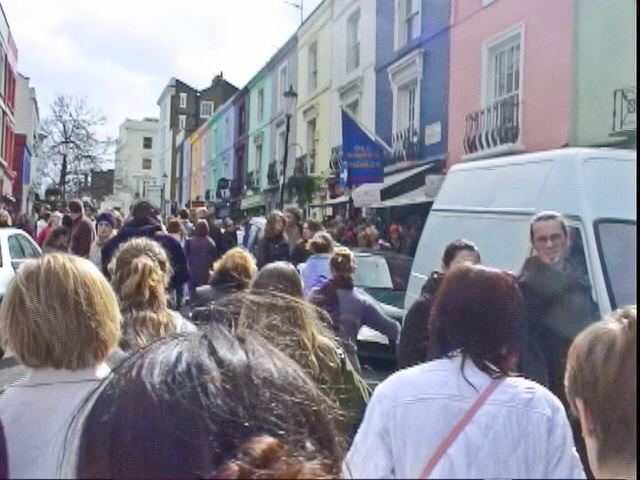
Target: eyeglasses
{"points": [[544, 240]]}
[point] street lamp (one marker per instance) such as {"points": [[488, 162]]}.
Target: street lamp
{"points": [[290, 97], [164, 203]]}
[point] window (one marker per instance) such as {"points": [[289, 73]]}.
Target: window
{"points": [[313, 67], [147, 143], [407, 21], [280, 146], [353, 107], [503, 65], [353, 43], [282, 85], [407, 107], [146, 164], [311, 142], [183, 100], [618, 260], [15, 248], [261, 105], [258, 162], [29, 249], [206, 109], [372, 272], [182, 122], [227, 129], [2, 75]]}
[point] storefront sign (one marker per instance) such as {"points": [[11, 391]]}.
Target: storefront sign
{"points": [[362, 158], [432, 133]]}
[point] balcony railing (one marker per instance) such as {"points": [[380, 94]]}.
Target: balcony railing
{"points": [[251, 181], [624, 109], [305, 165], [272, 174], [491, 127]]}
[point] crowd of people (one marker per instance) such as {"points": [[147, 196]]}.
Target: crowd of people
{"points": [[195, 347]]}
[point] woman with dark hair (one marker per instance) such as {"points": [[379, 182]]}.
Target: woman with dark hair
{"points": [[273, 245], [350, 308], [206, 405], [275, 309], [57, 241], [201, 252], [414, 336], [301, 252], [483, 420]]}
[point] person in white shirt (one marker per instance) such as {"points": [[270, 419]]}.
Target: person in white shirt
{"points": [[60, 319], [466, 415]]}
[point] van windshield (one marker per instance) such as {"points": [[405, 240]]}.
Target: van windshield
{"points": [[617, 247]]}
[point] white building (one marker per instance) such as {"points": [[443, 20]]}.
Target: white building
{"points": [[27, 117], [166, 134], [138, 168], [353, 58]]}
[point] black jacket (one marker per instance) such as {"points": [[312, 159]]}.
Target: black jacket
{"points": [[221, 285], [272, 250], [414, 336], [147, 228]]}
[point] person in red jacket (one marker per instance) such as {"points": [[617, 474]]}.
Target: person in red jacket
{"points": [[82, 234]]}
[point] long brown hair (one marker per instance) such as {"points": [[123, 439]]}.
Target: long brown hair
{"points": [[140, 274], [272, 219]]}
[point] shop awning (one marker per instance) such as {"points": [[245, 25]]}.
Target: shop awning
{"points": [[394, 185], [332, 202], [418, 195]]}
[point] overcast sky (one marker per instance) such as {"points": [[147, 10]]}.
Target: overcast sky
{"points": [[120, 54]]}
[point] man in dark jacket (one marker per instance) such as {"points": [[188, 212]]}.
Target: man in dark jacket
{"points": [[82, 233], [414, 336], [144, 224], [558, 300]]}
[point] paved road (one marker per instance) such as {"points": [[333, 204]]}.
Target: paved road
{"points": [[10, 371]]}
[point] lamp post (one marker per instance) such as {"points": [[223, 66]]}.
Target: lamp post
{"points": [[290, 97], [164, 203]]}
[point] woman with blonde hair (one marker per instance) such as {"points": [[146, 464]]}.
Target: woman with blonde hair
{"points": [[140, 273], [276, 310], [350, 308], [273, 246], [60, 318], [231, 274]]}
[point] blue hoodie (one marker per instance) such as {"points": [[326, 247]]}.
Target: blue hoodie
{"points": [[315, 271]]}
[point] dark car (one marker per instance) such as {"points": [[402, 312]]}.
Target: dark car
{"points": [[383, 275]]}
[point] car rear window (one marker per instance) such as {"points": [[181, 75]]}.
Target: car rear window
{"points": [[372, 272]]}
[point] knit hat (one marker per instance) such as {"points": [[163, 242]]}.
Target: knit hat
{"points": [[106, 217]]}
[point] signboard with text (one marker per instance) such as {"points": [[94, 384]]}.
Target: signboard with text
{"points": [[362, 157]]}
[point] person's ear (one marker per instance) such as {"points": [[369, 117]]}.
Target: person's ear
{"points": [[586, 420]]}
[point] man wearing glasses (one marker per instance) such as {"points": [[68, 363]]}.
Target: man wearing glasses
{"points": [[558, 300]]}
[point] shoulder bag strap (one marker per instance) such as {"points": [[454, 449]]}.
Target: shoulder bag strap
{"points": [[453, 434]]}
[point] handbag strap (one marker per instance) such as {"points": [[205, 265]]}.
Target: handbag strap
{"points": [[457, 429]]}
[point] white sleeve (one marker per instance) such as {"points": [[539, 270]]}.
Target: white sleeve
{"points": [[563, 460], [371, 455]]}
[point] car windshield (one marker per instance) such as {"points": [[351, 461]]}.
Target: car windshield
{"points": [[616, 244], [372, 272]]}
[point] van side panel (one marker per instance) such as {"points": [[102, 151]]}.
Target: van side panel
{"points": [[503, 242]]}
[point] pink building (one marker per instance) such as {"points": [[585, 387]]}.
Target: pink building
{"points": [[510, 77]]}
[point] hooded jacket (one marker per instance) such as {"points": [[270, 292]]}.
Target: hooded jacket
{"points": [[147, 228], [414, 336]]}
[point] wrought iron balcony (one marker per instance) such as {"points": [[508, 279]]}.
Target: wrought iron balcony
{"points": [[251, 181], [624, 110], [272, 174], [334, 161], [305, 165], [491, 127]]}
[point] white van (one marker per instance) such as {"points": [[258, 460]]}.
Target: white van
{"points": [[491, 203]]}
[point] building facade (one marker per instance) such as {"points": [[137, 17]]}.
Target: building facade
{"points": [[183, 107], [27, 118], [604, 100], [510, 85], [313, 112], [138, 168], [8, 69]]}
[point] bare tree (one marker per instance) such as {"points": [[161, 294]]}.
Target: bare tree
{"points": [[72, 147]]}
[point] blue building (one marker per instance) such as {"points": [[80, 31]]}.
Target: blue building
{"points": [[412, 70]]}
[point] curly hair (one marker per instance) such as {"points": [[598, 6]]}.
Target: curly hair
{"points": [[140, 274], [343, 263]]}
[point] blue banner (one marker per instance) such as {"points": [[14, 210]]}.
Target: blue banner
{"points": [[362, 158]]}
